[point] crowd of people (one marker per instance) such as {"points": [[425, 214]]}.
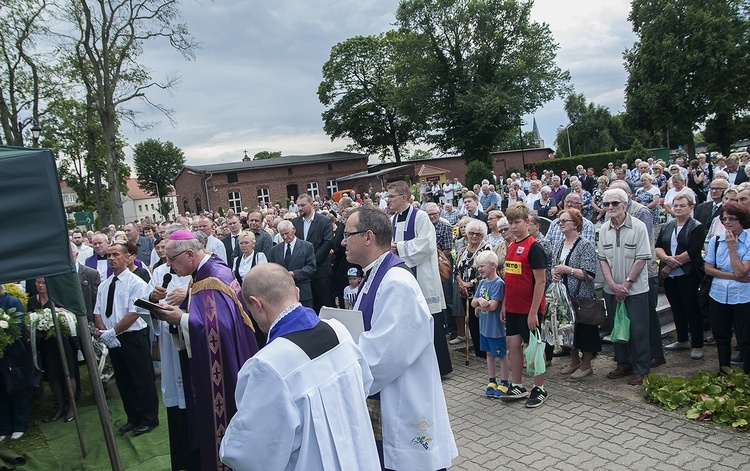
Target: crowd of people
{"points": [[428, 266]]}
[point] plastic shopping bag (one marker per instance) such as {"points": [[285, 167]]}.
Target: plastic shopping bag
{"points": [[621, 329], [535, 364]]}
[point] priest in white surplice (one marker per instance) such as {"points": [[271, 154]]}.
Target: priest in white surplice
{"points": [[407, 404], [301, 398]]}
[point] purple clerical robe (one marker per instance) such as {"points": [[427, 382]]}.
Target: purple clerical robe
{"points": [[220, 342]]}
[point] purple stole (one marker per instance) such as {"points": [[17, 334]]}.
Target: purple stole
{"points": [[410, 232], [302, 318], [367, 300]]}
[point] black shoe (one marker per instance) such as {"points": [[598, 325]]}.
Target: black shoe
{"points": [[536, 398], [126, 428], [658, 362], [561, 353], [141, 429], [515, 393], [737, 361]]}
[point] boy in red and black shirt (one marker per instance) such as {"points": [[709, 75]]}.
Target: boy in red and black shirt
{"points": [[525, 264]]}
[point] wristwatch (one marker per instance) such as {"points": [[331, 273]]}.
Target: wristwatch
{"points": [[627, 278]]}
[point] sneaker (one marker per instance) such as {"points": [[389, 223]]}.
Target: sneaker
{"points": [[501, 390], [515, 393], [3, 437], [490, 391], [696, 354], [16, 435], [678, 346], [536, 398], [737, 361], [457, 340]]}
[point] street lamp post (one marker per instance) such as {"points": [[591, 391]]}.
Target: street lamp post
{"points": [[36, 131], [570, 153]]}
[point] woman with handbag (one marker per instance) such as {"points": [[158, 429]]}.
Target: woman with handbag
{"points": [[678, 248], [575, 266], [14, 398], [51, 361], [729, 265], [467, 278]]}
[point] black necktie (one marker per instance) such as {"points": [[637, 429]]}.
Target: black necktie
{"points": [[288, 255], [236, 246], [110, 297], [715, 211]]}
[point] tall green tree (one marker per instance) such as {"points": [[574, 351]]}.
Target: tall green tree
{"points": [[157, 165], [366, 91], [25, 80], [689, 63], [481, 65], [592, 128], [111, 36]]}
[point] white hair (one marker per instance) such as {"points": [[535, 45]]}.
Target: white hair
{"points": [[617, 193]]}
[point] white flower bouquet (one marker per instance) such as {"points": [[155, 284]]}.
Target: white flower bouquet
{"points": [[9, 329]]}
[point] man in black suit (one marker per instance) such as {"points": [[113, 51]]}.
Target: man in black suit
{"points": [[317, 230], [471, 203], [298, 257], [230, 241], [706, 212], [735, 172]]}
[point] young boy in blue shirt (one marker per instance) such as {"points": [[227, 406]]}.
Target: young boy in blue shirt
{"points": [[487, 300]]}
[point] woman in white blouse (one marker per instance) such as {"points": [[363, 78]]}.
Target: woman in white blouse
{"points": [[249, 257]]}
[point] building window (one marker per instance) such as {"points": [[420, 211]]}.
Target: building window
{"points": [[330, 167], [235, 201], [198, 205], [152, 206], [140, 208], [312, 189], [332, 186], [185, 207], [264, 196], [232, 177]]}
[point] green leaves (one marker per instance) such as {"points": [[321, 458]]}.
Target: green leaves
{"points": [[157, 165], [722, 399]]}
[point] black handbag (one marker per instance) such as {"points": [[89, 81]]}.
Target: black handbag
{"points": [[588, 311], [19, 373]]}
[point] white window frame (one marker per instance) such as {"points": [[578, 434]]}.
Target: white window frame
{"points": [[264, 196], [313, 189], [235, 201], [332, 186]]}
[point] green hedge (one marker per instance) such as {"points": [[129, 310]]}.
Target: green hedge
{"points": [[598, 161]]}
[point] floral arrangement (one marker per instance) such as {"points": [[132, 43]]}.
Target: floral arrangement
{"points": [[9, 329], [42, 324]]}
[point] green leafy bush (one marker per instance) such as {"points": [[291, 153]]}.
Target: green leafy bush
{"points": [[598, 161], [477, 171], [722, 399]]}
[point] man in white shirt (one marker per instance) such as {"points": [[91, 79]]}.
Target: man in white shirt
{"points": [[126, 335], [83, 250], [213, 245], [300, 399]]}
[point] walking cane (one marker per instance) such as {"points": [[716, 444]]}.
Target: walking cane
{"points": [[466, 330]]}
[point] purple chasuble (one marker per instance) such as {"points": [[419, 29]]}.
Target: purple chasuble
{"points": [[220, 344]]}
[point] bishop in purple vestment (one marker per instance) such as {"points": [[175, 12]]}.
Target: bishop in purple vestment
{"points": [[218, 339]]}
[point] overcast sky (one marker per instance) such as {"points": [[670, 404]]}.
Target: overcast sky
{"points": [[253, 85]]}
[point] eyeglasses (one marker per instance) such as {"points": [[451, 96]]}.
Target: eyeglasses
{"points": [[349, 234], [172, 258], [716, 188], [433, 214], [614, 204], [728, 219], [565, 221], [476, 234], [505, 229], [393, 196]]}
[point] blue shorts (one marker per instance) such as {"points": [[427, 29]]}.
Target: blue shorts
{"points": [[495, 346]]}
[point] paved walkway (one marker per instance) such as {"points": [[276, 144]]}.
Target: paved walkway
{"points": [[579, 429]]}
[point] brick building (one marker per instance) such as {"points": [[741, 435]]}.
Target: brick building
{"points": [[236, 185], [377, 176], [242, 184]]}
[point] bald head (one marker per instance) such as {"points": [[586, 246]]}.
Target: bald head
{"points": [[267, 290]]}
